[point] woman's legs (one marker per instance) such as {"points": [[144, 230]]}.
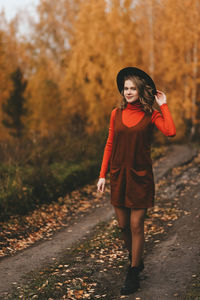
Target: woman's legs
{"points": [[137, 228], [123, 217], [131, 223]]}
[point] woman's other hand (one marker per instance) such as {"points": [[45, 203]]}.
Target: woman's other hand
{"points": [[160, 98], [101, 185]]}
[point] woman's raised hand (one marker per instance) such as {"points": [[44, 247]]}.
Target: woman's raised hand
{"points": [[101, 185], [160, 98]]}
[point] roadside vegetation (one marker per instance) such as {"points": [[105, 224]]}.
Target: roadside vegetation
{"points": [[31, 177], [36, 174], [44, 204]]}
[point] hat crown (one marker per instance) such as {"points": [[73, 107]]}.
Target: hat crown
{"points": [[133, 71]]}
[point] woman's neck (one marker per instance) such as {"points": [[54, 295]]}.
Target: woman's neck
{"points": [[135, 105]]}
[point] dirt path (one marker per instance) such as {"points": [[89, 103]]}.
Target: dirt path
{"points": [[12, 269], [169, 268]]}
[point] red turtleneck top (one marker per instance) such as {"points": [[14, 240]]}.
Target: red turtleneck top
{"points": [[131, 115]]}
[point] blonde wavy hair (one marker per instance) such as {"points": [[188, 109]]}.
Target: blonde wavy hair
{"points": [[145, 92]]}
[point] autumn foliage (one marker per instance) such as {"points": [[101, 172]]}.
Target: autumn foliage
{"points": [[68, 61], [72, 54]]}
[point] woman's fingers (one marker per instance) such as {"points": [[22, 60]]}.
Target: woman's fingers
{"points": [[101, 185], [160, 98], [159, 92], [101, 188]]}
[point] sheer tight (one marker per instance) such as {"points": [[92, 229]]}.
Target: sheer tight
{"points": [[131, 223]]}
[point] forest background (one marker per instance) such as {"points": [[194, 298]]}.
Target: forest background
{"points": [[58, 87]]}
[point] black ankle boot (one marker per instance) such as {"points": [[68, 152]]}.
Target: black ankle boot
{"points": [[132, 282], [141, 265]]}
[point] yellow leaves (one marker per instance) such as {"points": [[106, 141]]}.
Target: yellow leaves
{"points": [[85, 206], [78, 294], [95, 57], [187, 213], [43, 286], [99, 261], [197, 159], [152, 228], [78, 46], [21, 232], [59, 284], [155, 215]]}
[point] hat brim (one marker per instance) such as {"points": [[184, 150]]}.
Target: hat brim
{"points": [[137, 72]]}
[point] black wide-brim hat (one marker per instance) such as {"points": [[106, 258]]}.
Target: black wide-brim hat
{"points": [[137, 72]]}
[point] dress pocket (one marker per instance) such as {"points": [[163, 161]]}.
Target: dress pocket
{"points": [[140, 172], [139, 176], [114, 174]]}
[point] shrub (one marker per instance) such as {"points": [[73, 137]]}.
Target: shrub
{"points": [[23, 188]]}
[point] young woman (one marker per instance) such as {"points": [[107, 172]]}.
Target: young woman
{"points": [[128, 151]]}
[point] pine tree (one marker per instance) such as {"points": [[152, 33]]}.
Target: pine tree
{"points": [[14, 106]]}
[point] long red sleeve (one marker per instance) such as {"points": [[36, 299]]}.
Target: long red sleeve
{"points": [[131, 115], [164, 122], [108, 147]]}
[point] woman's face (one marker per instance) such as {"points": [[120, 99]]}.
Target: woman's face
{"points": [[130, 91]]}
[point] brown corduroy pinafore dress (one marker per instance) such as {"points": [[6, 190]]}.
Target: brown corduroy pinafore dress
{"points": [[131, 176]]}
